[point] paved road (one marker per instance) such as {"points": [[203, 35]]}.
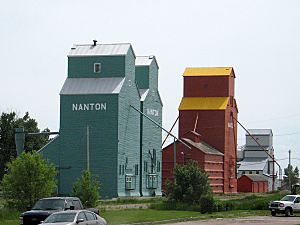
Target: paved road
{"points": [[253, 220]]}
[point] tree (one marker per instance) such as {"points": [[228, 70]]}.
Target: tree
{"points": [[189, 185], [29, 178], [87, 189], [291, 176], [8, 123]]}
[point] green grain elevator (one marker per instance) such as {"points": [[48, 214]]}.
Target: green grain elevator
{"points": [[146, 75], [99, 128]]}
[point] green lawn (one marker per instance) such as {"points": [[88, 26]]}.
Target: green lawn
{"points": [[130, 216]]}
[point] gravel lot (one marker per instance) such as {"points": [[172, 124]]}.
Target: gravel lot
{"points": [[253, 220]]}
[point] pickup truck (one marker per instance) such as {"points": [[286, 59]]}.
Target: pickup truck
{"points": [[287, 205], [46, 206]]}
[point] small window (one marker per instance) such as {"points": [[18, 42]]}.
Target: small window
{"points": [[123, 169], [158, 166], [243, 172], [97, 67], [257, 172], [250, 172], [136, 169], [120, 169]]}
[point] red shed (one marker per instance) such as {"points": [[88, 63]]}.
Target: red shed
{"points": [[209, 159], [255, 183]]}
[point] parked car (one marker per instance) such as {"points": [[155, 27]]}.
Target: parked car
{"points": [[287, 205], [74, 217], [46, 206]]}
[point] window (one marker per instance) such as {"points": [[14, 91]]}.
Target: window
{"points": [[123, 169], [97, 67], [158, 166], [136, 169], [250, 172], [257, 172], [90, 216], [145, 166], [77, 204], [243, 172], [81, 216], [120, 169]]}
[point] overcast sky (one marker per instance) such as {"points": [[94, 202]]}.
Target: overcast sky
{"points": [[259, 39]]}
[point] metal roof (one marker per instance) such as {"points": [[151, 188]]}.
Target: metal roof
{"points": [[143, 60], [108, 85], [99, 50], [251, 164], [143, 94], [204, 103], [208, 71], [202, 146], [256, 177], [267, 132]]}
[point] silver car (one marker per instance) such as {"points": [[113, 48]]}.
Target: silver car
{"points": [[74, 217]]}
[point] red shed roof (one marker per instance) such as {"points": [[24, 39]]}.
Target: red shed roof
{"points": [[256, 177]]}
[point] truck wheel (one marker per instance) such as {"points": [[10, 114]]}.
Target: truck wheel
{"points": [[273, 213], [287, 212]]}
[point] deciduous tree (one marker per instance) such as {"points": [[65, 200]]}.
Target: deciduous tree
{"points": [[29, 178], [8, 123]]}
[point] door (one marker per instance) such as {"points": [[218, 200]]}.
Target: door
{"points": [[297, 205]]}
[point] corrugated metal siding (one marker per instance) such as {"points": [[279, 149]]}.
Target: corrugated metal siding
{"points": [[204, 103], [74, 86], [208, 71], [101, 49]]}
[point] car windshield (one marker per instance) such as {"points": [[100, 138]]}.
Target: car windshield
{"points": [[49, 204], [60, 217], [288, 198]]}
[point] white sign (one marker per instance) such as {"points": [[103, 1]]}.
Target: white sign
{"points": [[152, 112], [89, 106]]}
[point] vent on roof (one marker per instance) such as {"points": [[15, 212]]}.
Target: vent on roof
{"points": [[95, 42]]}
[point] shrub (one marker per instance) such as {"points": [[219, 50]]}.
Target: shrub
{"points": [[189, 185], [206, 204]]}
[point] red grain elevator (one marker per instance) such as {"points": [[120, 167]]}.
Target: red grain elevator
{"points": [[207, 108]]}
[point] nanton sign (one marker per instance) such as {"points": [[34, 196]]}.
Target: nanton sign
{"points": [[89, 106]]}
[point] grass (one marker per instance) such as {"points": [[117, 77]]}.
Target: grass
{"points": [[130, 216], [238, 205]]}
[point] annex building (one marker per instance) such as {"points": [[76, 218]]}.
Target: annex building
{"points": [[100, 127]]}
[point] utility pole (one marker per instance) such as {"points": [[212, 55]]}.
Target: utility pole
{"points": [[290, 170]]}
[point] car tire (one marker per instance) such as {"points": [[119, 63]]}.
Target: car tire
{"points": [[273, 213], [287, 212]]}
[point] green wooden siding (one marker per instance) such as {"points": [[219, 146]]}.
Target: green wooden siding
{"points": [[129, 138], [83, 67], [152, 139], [142, 77]]}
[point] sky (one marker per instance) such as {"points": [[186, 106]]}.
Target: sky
{"points": [[259, 39]]}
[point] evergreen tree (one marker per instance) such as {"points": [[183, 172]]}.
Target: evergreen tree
{"points": [[87, 189]]}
